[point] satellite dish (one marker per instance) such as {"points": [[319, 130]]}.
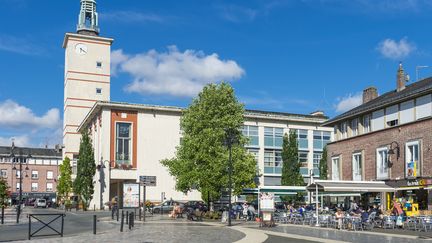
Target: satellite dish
{"points": [[407, 78]]}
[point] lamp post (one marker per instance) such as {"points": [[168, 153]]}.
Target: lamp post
{"points": [[19, 159], [101, 166], [231, 137]]}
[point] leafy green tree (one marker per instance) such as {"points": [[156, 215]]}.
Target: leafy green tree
{"points": [[64, 186], [201, 160], [323, 167], [4, 194], [86, 169], [291, 167]]}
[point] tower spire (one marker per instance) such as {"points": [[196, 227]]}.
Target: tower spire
{"points": [[88, 23]]}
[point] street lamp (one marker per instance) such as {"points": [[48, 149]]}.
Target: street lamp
{"points": [[19, 159], [231, 138], [100, 167], [393, 150]]}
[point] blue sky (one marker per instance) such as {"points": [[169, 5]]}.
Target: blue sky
{"points": [[280, 55]]}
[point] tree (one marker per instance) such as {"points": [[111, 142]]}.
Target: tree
{"points": [[201, 160], [291, 167], [86, 169], [64, 186], [323, 167], [4, 194]]}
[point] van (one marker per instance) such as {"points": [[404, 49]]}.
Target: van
{"points": [[40, 203]]}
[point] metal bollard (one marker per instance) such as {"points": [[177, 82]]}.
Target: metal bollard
{"points": [[117, 213], [94, 224], [112, 214], [122, 221], [130, 220], [140, 214], [135, 213], [2, 215], [127, 217]]}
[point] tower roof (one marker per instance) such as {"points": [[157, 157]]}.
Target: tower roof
{"points": [[88, 23]]}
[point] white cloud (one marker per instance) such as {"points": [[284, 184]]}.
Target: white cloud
{"points": [[16, 116], [175, 73], [21, 141], [348, 102], [131, 16], [395, 50]]}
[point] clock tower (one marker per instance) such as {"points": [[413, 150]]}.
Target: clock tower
{"points": [[87, 74]]}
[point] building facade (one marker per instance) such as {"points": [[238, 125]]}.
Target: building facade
{"points": [[130, 140], [39, 172], [387, 138]]}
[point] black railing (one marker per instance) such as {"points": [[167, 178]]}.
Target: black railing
{"points": [[51, 218]]}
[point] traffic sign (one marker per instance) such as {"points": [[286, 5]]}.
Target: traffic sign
{"points": [[147, 180]]}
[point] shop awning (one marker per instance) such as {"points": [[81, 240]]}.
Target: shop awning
{"points": [[277, 190], [349, 186], [408, 188]]}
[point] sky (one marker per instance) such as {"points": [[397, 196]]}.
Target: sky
{"points": [[295, 56]]}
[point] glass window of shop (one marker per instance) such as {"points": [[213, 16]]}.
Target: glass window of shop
{"points": [[412, 159]]}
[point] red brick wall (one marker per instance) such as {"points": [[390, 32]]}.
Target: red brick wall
{"points": [[368, 143], [27, 181]]}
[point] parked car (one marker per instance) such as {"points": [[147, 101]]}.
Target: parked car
{"points": [[40, 203], [195, 204], [30, 202], [166, 206]]}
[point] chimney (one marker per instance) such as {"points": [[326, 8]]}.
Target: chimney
{"points": [[369, 94], [400, 78], [317, 113]]}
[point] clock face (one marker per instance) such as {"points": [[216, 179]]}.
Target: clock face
{"points": [[81, 49]]}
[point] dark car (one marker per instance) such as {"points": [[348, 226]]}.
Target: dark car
{"points": [[166, 206], [195, 205]]}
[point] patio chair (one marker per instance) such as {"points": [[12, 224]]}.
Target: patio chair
{"points": [[333, 222], [357, 224], [425, 223], [307, 219], [388, 223], [370, 222]]}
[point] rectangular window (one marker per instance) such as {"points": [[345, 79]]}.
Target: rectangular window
{"points": [[273, 137], [303, 158], [251, 132], [35, 174], [357, 166], [99, 64], [3, 174], [320, 139], [412, 159], [366, 123], [354, 127], [50, 175], [272, 161], [302, 139], [392, 123], [123, 143], [382, 163], [343, 130], [98, 90], [316, 160], [17, 186], [18, 174], [49, 187], [336, 168], [255, 153], [34, 187]]}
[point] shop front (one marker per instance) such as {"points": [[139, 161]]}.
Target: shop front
{"points": [[28, 198], [413, 192]]}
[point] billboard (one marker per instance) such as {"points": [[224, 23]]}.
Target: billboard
{"points": [[131, 192]]}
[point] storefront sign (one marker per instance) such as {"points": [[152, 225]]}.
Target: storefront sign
{"points": [[419, 182], [131, 195], [266, 201]]}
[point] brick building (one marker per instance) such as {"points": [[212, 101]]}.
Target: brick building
{"points": [[387, 138], [39, 172]]}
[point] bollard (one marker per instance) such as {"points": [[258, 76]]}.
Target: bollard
{"points": [[122, 221], [2, 215], [135, 213], [117, 212], [94, 207], [140, 214], [133, 220], [130, 220], [112, 214], [94, 224], [127, 217]]}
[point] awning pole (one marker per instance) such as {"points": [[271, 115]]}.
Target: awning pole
{"points": [[316, 204]]}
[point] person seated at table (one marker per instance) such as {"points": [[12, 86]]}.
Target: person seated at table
{"points": [[339, 217], [364, 215], [176, 211], [301, 210]]}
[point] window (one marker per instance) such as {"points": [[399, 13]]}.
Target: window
{"points": [[35, 174], [99, 64], [74, 166], [3, 174], [320, 139], [18, 174], [50, 175], [123, 143], [255, 153], [272, 161], [251, 132], [366, 123], [49, 187], [412, 159], [273, 137], [392, 115], [343, 130], [17, 186], [392, 123], [302, 139], [98, 90], [382, 163], [354, 127], [34, 186], [336, 168], [303, 158], [316, 160], [357, 166]]}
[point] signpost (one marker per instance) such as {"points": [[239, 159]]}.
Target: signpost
{"points": [[146, 181]]}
